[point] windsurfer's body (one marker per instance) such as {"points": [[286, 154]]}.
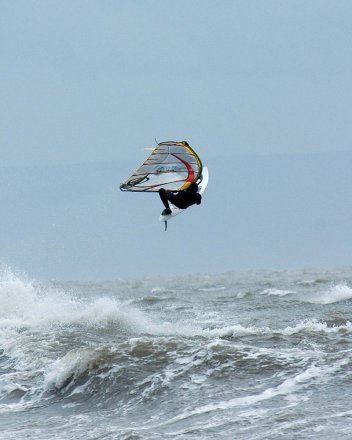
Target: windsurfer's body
{"points": [[181, 199]]}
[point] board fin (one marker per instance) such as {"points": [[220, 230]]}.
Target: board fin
{"points": [[165, 221]]}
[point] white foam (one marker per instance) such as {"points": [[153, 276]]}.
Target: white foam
{"points": [[157, 290], [315, 326], [340, 292], [25, 304], [234, 330], [276, 292], [212, 289]]}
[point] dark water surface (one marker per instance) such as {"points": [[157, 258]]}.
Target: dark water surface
{"points": [[252, 355]]}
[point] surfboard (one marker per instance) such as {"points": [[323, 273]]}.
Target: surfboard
{"points": [[175, 210]]}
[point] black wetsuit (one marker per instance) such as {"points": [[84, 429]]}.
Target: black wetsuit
{"points": [[181, 199]]}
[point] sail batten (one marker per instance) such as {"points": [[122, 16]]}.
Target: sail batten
{"points": [[172, 165]]}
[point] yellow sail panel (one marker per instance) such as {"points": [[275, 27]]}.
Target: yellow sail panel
{"points": [[171, 165]]}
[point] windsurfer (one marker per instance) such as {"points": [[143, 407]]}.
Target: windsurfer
{"points": [[181, 199]]}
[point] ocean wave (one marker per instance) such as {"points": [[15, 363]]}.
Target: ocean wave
{"points": [[151, 299], [25, 304], [337, 293], [288, 389], [76, 363], [112, 359], [307, 326]]}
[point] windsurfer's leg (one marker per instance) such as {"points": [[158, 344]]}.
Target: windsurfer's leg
{"points": [[163, 196]]}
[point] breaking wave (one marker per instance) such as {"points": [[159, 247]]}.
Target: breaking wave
{"points": [[26, 304], [337, 293]]}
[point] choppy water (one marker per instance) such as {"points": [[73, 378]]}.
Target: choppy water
{"points": [[255, 355]]}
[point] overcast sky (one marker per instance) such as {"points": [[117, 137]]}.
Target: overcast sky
{"points": [[99, 80]]}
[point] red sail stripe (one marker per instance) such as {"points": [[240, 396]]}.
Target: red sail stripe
{"points": [[190, 176]]}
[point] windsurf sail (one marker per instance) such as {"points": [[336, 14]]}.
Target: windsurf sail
{"points": [[171, 165]]}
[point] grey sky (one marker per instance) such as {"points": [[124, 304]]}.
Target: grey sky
{"points": [[99, 80]]}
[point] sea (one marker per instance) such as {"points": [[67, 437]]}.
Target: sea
{"points": [[236, 355]]}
